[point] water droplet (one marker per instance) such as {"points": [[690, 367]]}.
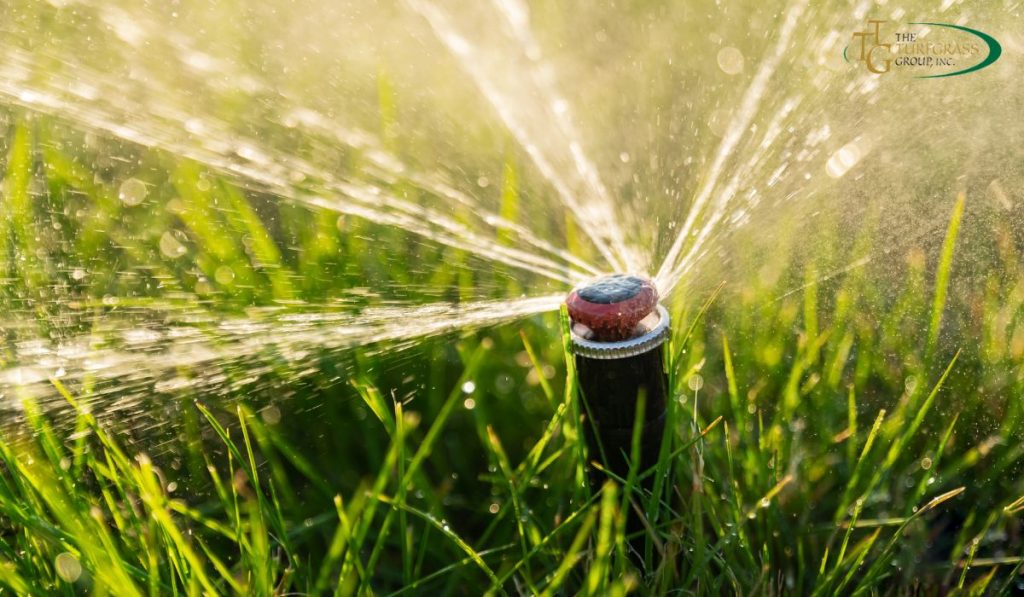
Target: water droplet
{"points": [[271, 415], [468, 387], [845, 158], [203, 287], [696, 382], [170, 246], [730, 60], [469, 403], [68, 567], [132, 192], [224, 275], [718, 122]]}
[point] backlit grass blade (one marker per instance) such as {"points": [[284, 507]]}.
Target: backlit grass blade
{"points": [[942, 275]]}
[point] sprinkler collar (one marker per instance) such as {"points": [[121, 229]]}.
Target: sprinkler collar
{"points": [[656, 324]]}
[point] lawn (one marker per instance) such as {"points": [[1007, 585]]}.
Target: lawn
{"points": [[226, 371]]}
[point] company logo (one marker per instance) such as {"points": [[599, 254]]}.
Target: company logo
{"points": [[922, 50]]}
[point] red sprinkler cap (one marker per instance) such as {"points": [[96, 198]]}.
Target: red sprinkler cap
{"points": [[612, 306]]}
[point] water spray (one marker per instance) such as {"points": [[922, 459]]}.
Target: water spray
{"points": [[617, 333]]}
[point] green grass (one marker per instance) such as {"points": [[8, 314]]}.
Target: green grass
{"points": [[847, 439]]}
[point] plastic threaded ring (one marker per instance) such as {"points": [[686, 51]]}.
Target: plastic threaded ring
{"points": [[620, 349]]}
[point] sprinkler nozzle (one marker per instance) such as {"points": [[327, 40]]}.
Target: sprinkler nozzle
{"points": [[611, 308]]}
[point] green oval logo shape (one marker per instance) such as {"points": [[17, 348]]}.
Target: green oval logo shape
{"points": [[994, 50]]}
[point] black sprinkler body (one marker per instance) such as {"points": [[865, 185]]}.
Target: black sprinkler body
{"points": [[618, 331]]}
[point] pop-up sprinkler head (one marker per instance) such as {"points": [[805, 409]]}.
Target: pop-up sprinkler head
{"points": [[617, 334]]}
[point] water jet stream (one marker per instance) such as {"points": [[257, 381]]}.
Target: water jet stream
{"points": [[671, 269], [245, 159], [195, 352], [311, 121], [382, 164], [509, 77], [703, 235]]}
